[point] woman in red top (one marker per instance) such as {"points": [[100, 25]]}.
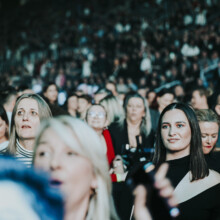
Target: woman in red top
{"points": [[96, 117]]}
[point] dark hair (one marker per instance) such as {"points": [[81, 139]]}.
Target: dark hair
{"points": [[6, 93], [4, 117], [103, 90], [45, 201], [197, 164], [88, 98], [165, 91], [47, 85]]}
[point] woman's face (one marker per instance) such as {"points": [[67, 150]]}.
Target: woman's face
{"points": [[165, 100], [176, 134], [135, 109], [27, 119], [70, 172], [96, 117], [51, 93], [209, 132], [73, 103], [197, 100], [3, 129]]}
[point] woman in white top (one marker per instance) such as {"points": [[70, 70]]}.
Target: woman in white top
{"points": [[29, 111]]}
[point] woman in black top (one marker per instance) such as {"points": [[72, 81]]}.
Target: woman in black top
{"points": [[133, 137], [179, 143]]}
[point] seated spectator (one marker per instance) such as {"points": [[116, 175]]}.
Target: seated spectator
{"points": [[84, 102]]}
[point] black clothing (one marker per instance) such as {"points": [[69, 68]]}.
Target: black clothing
{"points": [[204, 206], [120, 140], [213, 161]]}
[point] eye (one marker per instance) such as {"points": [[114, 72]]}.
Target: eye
{"points": [[33, 113], [43, 154], [180, 125], [164, 126], [19, 113], [71, 153]]}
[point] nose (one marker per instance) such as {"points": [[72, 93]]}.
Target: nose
{"points": [[208, 139], [25, 116], [55, 163], [172, 131]]}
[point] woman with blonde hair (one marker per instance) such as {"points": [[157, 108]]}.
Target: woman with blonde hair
{"points": [[133, 137], [73, 154], [114, 109], [28, 112]]}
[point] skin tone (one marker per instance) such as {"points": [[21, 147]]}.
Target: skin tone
{"points": [[165, 190], [70, 172], [135, 111], [209, 132], [72, 104], [164, 101], [83, 105], [51, 94], [3, 129], [198, 101], [176, 134], [97, 119], [27, 121]]}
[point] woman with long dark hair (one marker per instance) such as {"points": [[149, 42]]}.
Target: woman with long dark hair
{"points": [[179, 143]]}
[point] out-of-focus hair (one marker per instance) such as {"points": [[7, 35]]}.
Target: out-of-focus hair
{"points": [[115, 111], [207, 115], [73, 131], [4, 117]]}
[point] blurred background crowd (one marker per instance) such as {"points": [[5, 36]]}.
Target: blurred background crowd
{"points": [[137, 44]]}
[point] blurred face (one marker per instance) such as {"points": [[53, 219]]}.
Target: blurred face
{"points": [[209, 132], [51, 93], [165, 100], [27, 119], [82, 105], [3, 129], [151, 97], [135, 109], [197, 100], [73, 103], [176, 134], [99, 97], [96, 117], [70, 172]]}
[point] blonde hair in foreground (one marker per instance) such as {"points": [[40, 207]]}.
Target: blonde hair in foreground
{"points": [[101, 204]]}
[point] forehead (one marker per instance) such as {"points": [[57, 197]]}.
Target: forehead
{"points": [[196, 93], [28, 103], [174, 115], [167, 96], [135, 100], [208, 126], [96, 108]]}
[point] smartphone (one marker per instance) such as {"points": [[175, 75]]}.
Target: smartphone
{"points": [[157, 205]]}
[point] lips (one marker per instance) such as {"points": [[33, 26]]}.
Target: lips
{"points": [[208, 146], [55, 183], [25, 126], [172, 140]]}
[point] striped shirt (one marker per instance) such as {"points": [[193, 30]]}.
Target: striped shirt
{"points": [[24, 155], [3, 147]]}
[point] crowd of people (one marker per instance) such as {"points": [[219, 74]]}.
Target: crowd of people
{"points": [[96, 92]]}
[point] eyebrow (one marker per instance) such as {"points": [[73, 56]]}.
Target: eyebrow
{"points": [[175, 122], [24, 109]]}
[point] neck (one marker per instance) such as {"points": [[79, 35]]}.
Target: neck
{"points": [[98, 131], [76, 211], [72, 112], [27, 144], [204, 106], [3, 139], [133, 124], [176, 155]]}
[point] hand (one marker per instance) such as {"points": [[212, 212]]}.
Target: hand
{"points": [[165, 188]]}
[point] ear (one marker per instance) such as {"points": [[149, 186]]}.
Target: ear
{"points": [[217, 109], [94, 183]]}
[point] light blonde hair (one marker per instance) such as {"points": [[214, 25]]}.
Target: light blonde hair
{"points": [[44, 112], [115, 111], [101, 204]]}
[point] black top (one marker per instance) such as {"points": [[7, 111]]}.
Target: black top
{"points": [[120, 140], [204, 206], [213, 161]]}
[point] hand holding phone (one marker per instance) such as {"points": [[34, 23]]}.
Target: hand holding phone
{"points": [[156, 198]]}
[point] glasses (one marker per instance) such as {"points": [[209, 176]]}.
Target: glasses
{"points": [[96, 114]]}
